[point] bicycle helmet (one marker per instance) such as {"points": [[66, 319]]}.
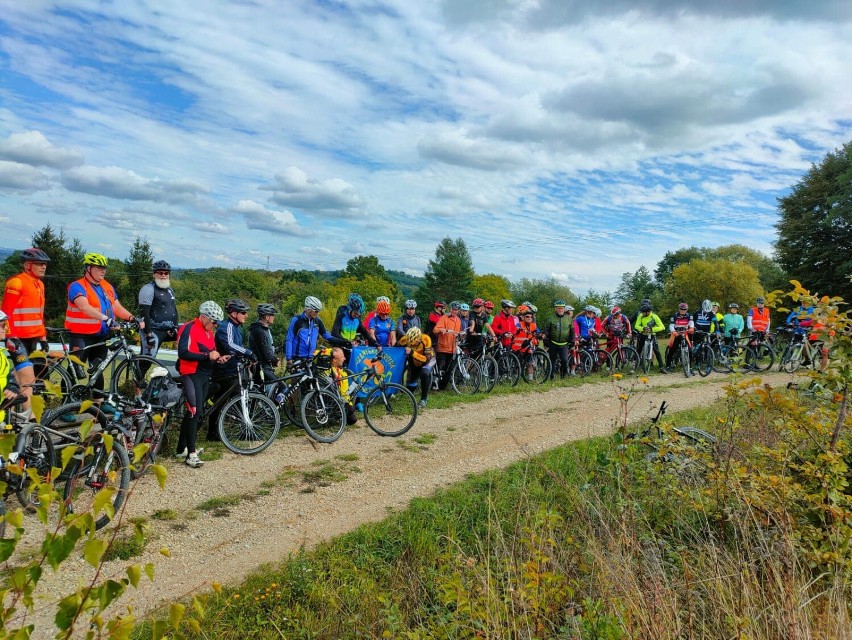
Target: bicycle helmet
{"points": [[94, 259], [312, 302], [235, 305], [455, 304], [465, 306], [682, 306], [523, 309], [706, 306], [3, 316], [733, 305], [559, 303], [382, 299], [589, 307], [715, 304], [615, 310], [266, 309], [411, 304], [597, 311], [440, 304], [355, 303], [383, 307], [161, 265], [569, 308], [760, 300], [477, 302], [507, 304], [489, 305], [34, 254], [533, 308], [645, 308], [211, 310], [413, 334]]}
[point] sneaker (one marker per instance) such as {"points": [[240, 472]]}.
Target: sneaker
{"points": [[422, 404], [664, 370], [193, 460], [181, 455]]}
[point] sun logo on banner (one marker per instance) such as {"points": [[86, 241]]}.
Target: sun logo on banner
{"points": [[380, 366]]}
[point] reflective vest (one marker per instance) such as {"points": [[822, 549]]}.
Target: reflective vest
{"points": [[78, 322], [5, 367], [525, 337], [759, 321], [23, 302]]}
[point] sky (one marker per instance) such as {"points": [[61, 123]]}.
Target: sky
{"points": [[572, 139]]}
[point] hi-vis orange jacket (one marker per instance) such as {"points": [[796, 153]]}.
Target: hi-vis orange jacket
{"points": [[78, 322], [23, 302]]}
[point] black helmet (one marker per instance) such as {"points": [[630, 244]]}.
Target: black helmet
{"points": [[34, 254], [235, 304], [266, 309], [645, 308], [161, 265]]}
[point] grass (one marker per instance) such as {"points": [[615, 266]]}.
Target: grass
{"points": [[219, 502], [125, 547], [426, 439], [165, 514]]}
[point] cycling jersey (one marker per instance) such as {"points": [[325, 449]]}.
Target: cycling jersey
{"points": [[422, 352], [585, 326], [405, 323], [382, 329], [704, 321], [229, 342], [347, 328], [617, 324], [560, 329], [733, 322], [194, 344], [651, 320], [23, 303], [101, 296], [681, 320], [445, 331], [302, 336], [7, 376], [158, 307]]}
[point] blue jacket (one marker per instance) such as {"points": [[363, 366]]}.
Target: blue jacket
{"points": [[302, 336], [585, 324], [229, 342]]}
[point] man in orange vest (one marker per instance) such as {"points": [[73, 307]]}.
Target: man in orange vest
{"points": [[92, 309], [758, 317], [23, 304]]}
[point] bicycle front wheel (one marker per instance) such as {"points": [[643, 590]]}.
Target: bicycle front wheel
{"points": [[152, 433], [390, 410], [626, 361], [57, 384], [602, 363], [35, 448], [536, 367], [704, 360], [466, 376], [792, 359], [323, 415], [764, 355], [249, 423], [684, 361], [508, 369], [94, 470], [489, 373], [132, 376]]}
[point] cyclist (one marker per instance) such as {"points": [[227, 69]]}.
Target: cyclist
{"points": [[524, 340], [92, 309], [436, 315], [559, 335], [158, 309], [338, 358], [8, 384], [305, 330], [371, 314], [479, 325], [586, 325], [705, 320], [347, 323], [464, 316], [408, 319], [382, 327], [616, 325], [758, 317], [505, 323], [720, 319], [733, 323], [648, 326], [446, 331], [23, 304], [488, 307], [803, 322], [420, 359], [260, 342], [196, 347], [680, 326]]}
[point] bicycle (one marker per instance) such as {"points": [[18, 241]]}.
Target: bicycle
{"points": [[389, 408], [600, 361], [646, 352], [732, 357], [464, 372], [764, 355], [625, 358], [487, 363], [653, 437], [682, 355], [508, 365], [702, 353], [800, 352]]}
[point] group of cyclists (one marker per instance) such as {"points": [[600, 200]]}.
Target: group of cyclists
{"points": [[208, 344]]}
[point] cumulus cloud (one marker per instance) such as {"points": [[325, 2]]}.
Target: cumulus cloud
{"points": [[21, 178], [279, 222], [123, 184], [293, 188], [210, 227], [32, 148], [461, 150]]}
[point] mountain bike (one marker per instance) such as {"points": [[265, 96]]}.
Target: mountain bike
{"points": [[389, 408], [764, 355], [800, 352], [508, 365], [682, 355], [487, 363], [702, 353], [658, 444], [646, 351], [731, 357], [464, 372], [535, 362], [625, 358], [600, 361]]}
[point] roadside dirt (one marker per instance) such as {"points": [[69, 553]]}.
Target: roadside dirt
{"points": [[289, 500]]}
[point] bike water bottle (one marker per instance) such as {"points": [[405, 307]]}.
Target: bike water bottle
{"points": [[282, 393]]}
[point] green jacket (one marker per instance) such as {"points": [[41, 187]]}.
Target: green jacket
{"points": [[651, 320], [560, 329]]}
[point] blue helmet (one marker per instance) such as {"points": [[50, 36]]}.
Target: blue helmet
{"points": [[355, 303]]}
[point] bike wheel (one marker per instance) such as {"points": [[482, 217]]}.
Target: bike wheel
{"points": [[131, 376], [323, 415], [94, 469], [585, 363], [792, 358], [35, 449], [647, 358], [489, 373], [764, 357], [626, 361], [390, 410], [602, 363], [465, 376], [684, 361], [153, 435], [249, 423], [536, 367], [2, 519], [508, 369], [704, 360], [58, 383]]}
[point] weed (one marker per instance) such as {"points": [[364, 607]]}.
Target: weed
{"points": [[426, 439], [347, 457], [164, 514], [219, 502]]}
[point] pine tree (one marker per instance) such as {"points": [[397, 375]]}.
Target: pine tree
{"points": [[137, 270], [449, 276]]}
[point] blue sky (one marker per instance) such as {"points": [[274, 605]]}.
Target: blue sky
{"points": [[566, 138]]}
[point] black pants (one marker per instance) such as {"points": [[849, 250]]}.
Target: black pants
{"points": [[195, 389], [560, 356], [445, 361], [422, 374], [656, 346], [81, 346]]}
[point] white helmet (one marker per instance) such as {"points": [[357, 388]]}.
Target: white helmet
{"points": [[312, 302], [211, 310], [706, 306]]}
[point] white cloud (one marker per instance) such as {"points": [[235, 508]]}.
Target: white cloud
{"points": [[279, 222], [23, 178], [31, 147], [124, 184], [210, 227], [293, 188]]}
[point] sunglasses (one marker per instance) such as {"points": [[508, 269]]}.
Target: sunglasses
{"points": [[527, 315], [162, 273]]}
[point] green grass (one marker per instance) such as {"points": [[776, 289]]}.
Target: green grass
{"points": [[125, 547], [219, 502], [426, 439], [164, 514]]}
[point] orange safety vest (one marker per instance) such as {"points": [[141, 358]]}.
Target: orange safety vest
{"points": [[78, 322], [525, 333], [759, 321], [23, 302]]}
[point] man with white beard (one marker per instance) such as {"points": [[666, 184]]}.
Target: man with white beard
{"points": [[158, 307]]}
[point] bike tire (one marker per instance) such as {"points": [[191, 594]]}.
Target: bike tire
{"points": [[323, 415], [536, 367], [90, 472], [132, 375], [465, 376], [35, 447], [684, 361], [390, 410], [765, 356], [152, 436], [793, 358], [704, 360], [602, 363], [249, 429], [647, 357], [489, 368], [626, 361], [509, 369], [60, 383], [585, 365]]}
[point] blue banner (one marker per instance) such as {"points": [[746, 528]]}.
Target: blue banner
{"points": [[391, 367]]}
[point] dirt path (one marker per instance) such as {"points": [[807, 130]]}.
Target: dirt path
{"points": [[276, 515]]}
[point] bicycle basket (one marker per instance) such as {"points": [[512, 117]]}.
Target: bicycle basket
{"points": [[162, 390]]}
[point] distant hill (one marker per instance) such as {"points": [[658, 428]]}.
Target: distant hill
{"points": [[5, 253]]}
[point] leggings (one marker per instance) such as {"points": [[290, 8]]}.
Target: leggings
{"points": [[424, 374], [195, 388]]}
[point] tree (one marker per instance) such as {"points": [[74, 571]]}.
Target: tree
{"points": [[449, 276], [600, 299], [634, 288], [720, 280], [771, 274], [674, 259], [814, 243], [492, 287], [363, 266], [137, 268], [542, 293]]}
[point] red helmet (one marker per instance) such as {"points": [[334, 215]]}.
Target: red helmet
{"points": [[383, 307], [441, 304], [489, 305], [478, 302], [615, 310]]}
